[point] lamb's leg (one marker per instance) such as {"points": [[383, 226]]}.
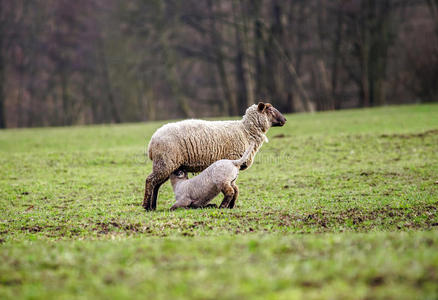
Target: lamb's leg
{"points": [[179, 205], [228, 192], [236, 193], [210, 205]]}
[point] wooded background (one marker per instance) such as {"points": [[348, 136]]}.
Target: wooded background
{"points": [[66, 62]]}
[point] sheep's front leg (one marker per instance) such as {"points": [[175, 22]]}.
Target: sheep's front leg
{"points": [[228, 192]]}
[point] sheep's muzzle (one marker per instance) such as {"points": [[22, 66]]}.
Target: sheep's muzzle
{"points": [[280, 121]]}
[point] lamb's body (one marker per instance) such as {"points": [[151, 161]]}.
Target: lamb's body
{"points": [[200, 190], [193, 145]]}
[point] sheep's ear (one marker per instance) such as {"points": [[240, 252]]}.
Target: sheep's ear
{"points": [[261, 106]]}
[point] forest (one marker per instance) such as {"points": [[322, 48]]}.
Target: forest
{"points": [[110, 61]]}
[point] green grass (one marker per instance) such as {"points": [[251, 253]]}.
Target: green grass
{"points": [[337, 205]]}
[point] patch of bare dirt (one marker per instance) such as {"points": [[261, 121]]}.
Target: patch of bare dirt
{"points": [[358, 219], [376, 281], [279, 136], [411, 135], [32, 229], [243, 222], [385, 215], [106, 227]]}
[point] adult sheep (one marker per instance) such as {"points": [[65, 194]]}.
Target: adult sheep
{"points": [[193, 145]]}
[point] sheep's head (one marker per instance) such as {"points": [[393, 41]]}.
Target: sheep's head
{"points": [[178, 176], [263, 116], [274, 117]]}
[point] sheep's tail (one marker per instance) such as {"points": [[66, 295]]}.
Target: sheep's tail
{"points": [[244, 158]]}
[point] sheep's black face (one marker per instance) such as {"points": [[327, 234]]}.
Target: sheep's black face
{"points": [[274, 116]]}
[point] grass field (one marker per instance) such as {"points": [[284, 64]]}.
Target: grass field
{"points": [[339, 205]]}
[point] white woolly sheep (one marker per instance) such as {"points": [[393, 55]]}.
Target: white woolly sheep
{"points": [[193, 145], [198, 191]]}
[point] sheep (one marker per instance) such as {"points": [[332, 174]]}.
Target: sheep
{"points": [[193, 145], [198, 191]]}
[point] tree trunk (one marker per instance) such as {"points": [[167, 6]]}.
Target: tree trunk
{"points": [[66, 105], [249, 72], [336, 57], [230, 102], [259, 66], [307, 104], [242, 91], [433, 7], [2, 71], [325, 101], [107, 82]]}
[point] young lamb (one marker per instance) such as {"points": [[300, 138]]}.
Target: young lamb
{"points": [[198, 191], [193, 145]]}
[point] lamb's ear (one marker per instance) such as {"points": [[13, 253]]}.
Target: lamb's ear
{"points": [[261, 106]]}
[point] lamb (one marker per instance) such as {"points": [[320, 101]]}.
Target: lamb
{"points": [[193, 145], [198, 191]]}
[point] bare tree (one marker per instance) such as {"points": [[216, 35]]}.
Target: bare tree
{"points": [[2, 67], [94, 61]]}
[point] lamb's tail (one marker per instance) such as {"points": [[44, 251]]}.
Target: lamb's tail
{"points": [[244, 158]]}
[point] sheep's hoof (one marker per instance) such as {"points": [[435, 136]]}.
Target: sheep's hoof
{"points": [[147, 208]]}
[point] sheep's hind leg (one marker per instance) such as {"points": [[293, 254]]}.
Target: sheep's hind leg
{"points": [[159, 175], [228, 192], [236, 194], [148, 190], [155, 193]]}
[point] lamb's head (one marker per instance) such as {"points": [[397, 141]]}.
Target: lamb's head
{"points": [[177, 177], [264, 116]]}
